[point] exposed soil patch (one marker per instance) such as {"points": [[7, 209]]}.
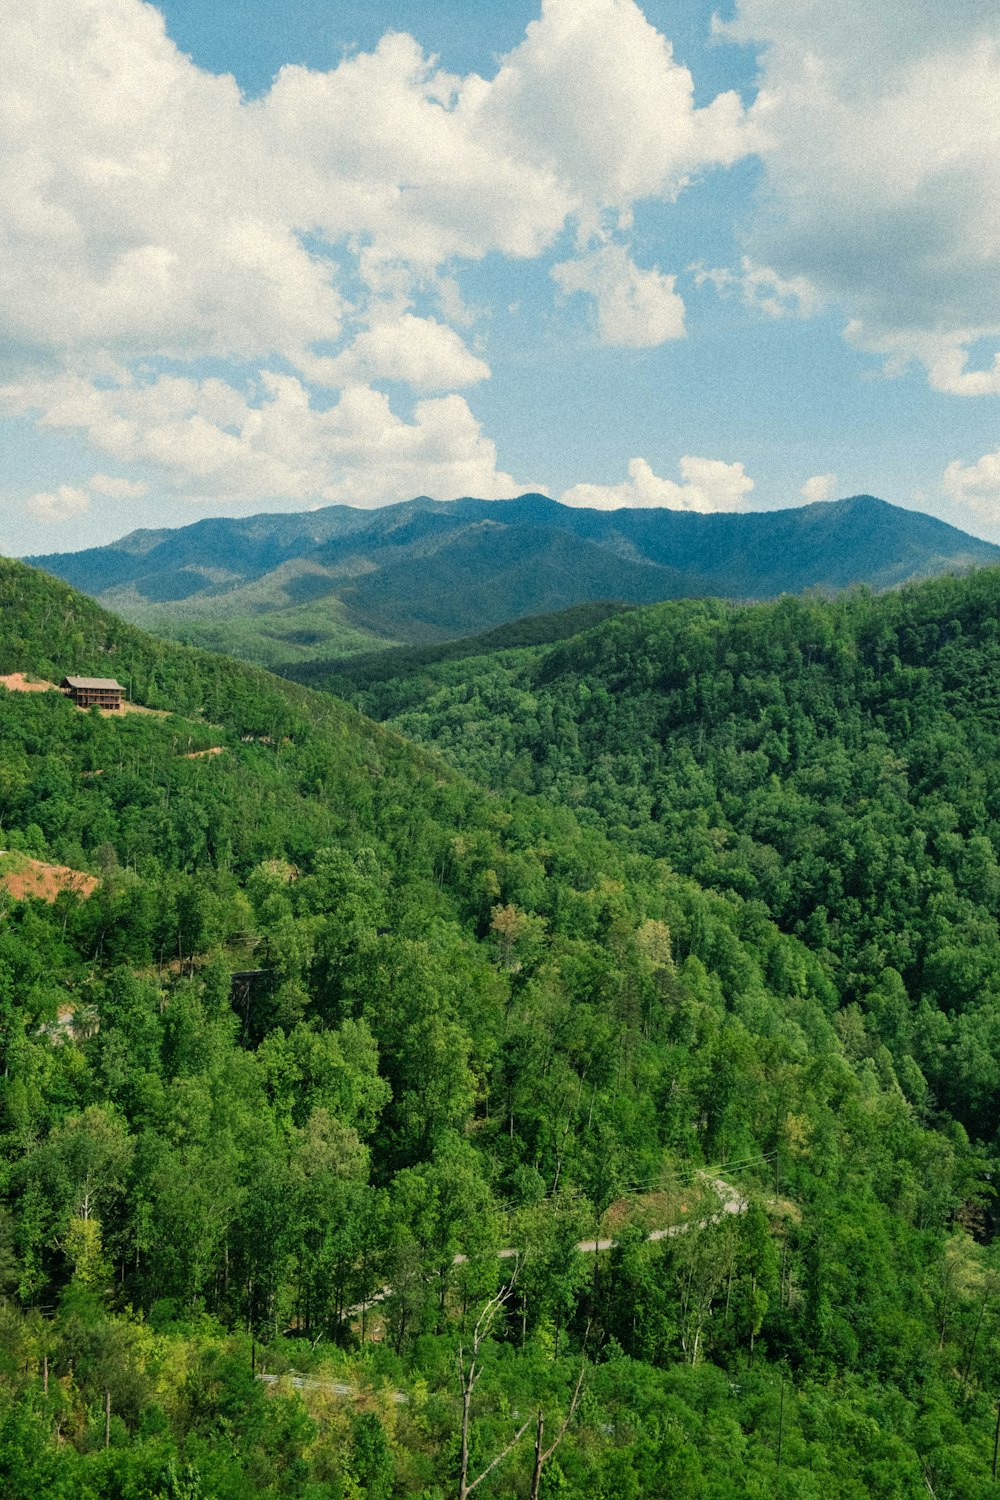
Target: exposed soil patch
{"points": [[25, 878], [660, 1206], [197, 754], [17, 682], [133, 708]]}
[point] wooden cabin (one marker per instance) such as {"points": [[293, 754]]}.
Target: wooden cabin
{"points": [[88, 692]]}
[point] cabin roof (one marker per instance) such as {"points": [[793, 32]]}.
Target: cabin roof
{"points": [[92, 682]]}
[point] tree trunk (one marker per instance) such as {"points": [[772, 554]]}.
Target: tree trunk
{"points": [[463, 1472], [536, 1477]]}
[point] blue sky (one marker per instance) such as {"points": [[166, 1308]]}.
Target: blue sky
{"points": [[262, 256]]}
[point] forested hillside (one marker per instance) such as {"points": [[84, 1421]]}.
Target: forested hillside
{"points": [[337, 1026], [836, 762]]}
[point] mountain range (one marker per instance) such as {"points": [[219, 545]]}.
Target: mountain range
{"points": [[284, 589]]}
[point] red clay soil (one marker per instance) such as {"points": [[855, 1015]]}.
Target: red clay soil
{"points": [[26, 878], [16, 682]]}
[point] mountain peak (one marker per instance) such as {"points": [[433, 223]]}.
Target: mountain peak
{"points": [[283, 589]]}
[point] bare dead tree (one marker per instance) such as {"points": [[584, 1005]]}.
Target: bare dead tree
{"points": [[470, 1369], [542, 1455]]}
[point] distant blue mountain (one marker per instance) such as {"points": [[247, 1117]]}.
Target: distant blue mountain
{"points": [[425, 570]]}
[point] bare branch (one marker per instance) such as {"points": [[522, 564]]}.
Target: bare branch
{"points": [[569, 1415], [519, 1434], [468, 1379], [542, 1456]]}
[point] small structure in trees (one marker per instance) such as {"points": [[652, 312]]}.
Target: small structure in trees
{"points": [[88, 692]]}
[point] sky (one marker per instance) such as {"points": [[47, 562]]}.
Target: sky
{"points": [[266, 255]]}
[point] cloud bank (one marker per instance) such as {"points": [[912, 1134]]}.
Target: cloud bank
{"points": [[880, 133], [708, 484], [155, 218]]}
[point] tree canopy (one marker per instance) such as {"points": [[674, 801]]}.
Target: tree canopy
{"points": [[338, 1026]]}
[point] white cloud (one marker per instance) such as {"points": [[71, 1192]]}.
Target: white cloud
{"points": [[709, 484], [819, 487], [880, 132], [594, 96], [635, 308], [67, 502], [762, 287], [140, 215], [155, 211], [945, 357], [116, 488], [976, 487], [215, 443], [152, 213], [55, 506], [421, 352]]}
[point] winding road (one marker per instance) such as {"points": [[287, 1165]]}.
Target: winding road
{"points": [[731, 1201]]}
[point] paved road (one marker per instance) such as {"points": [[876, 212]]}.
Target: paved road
{"points": [[731, 1202], [331, 1387]]}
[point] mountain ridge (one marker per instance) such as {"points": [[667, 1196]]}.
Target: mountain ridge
{"points": [[338, 580]]}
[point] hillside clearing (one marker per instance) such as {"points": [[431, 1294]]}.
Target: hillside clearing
{"points": [[26, 879]]}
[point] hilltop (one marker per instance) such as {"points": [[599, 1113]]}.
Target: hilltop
{"points": [[287, 589]]}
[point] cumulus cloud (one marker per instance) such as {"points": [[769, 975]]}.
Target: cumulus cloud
{"points": [[55, 506], [945, 357], [67, 502], [216, 443], [154, 210], [138, 213], [880, 132], [593, 95], [116, 488], [421, 352], [153, 213], [975, 487], [819, 487], [708, 484], [635, 308]]}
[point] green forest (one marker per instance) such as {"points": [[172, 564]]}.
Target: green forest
{"points": [[676, 937]]}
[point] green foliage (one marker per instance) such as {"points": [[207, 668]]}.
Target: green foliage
{"points": [[337, 1027], [833, 762]]}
